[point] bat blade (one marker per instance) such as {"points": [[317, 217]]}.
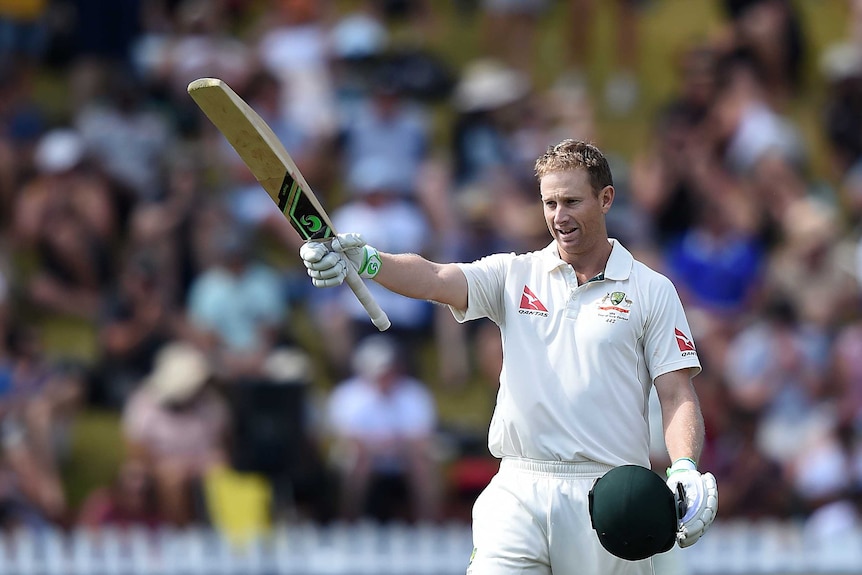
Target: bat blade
{"points": [[264, 154], [272, 166]]}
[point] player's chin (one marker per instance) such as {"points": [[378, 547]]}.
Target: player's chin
{"points": [[571, 238]]}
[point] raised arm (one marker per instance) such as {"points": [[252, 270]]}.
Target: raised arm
{"points": [[413, 276], [410, 275]]}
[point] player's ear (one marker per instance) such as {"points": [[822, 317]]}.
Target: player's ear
{"points": [[606, 198]]}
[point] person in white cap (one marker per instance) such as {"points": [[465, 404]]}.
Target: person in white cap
{"points": [[587, 332], [382, 422]]}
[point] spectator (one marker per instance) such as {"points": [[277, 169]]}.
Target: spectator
{"points": [[125, 135], [30, 495], [376, 199], [163, 231], [39, 400], [484, 100], [810, 248], [23, 120], [293, 47], [358, 41], [763, 491], [509, 31], [46, 395], [716, 265], [200, 45], [821, 471], [771, 30], [383, 424], [678, 164], [129, 501], [276, 436], [68, 217], [135, 322], [570, 111], [387, 128], [178, 425], [841, 66], [237, 307], [622, 90], [846, 367], [776, 368], [746, 122]]}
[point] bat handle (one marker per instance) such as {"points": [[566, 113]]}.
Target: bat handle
{"points": [[377, 315]]}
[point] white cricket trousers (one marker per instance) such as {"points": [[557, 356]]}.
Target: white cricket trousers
{"points": [[533, 519]]}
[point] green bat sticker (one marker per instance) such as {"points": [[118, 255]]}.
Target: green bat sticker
{"points": [[299, 210]]}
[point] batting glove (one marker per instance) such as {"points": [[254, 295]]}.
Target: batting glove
{"points": [[696, 495], [327, 261], [365, 259]]}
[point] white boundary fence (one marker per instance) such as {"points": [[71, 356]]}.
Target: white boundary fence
{"points": [[729, 548]]}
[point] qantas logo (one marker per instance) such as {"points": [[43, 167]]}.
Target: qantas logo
{"points": [[683, 341], [530, 304]]}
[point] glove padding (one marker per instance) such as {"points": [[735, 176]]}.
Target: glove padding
{"points": [[327, 261], [697, 495]]}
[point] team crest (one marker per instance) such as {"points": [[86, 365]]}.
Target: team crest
{"points": [[615, 306]]}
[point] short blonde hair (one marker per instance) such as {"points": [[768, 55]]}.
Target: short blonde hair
{"points": [[573, 155]]}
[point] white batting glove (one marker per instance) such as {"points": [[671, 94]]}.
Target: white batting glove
{"points": [[325, 267], [327, 261], [697, 494], [365, 259]]}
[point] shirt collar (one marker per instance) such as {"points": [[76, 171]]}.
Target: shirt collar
{"points": [[618, 268]]}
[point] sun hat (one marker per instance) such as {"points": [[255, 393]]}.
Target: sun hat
{"points": [[181, 370], [841, 61], [358, 35], [58, 151], [374, 356], [633, 512], [488, 84]]}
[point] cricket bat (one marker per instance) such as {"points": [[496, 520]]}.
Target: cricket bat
{"points": [[276, 172]]}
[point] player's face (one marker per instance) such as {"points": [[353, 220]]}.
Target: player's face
{"points": [[575, 214]]}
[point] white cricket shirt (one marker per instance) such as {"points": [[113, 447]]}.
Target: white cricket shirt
{"points": [[579, 361]]}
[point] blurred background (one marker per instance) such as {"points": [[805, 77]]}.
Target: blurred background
{"points": [[176, 397]]}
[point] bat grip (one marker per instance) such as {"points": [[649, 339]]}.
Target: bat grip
{"points": [[377, 315]]}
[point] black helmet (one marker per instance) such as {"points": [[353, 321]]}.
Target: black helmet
{"points": [[633, 512]]}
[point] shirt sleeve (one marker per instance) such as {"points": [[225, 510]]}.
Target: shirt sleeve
{"points": [[668, 343], [486, 280]]}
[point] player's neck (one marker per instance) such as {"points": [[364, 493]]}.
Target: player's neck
{"points": [[592, 263]]}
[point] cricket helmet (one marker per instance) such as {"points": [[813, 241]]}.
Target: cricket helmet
{"points": [[633, 512]]}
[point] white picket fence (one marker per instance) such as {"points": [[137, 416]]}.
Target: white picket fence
{"points": [[730, 548]]}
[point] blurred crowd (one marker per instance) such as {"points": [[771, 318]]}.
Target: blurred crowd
{"points": [[125, 214]]}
